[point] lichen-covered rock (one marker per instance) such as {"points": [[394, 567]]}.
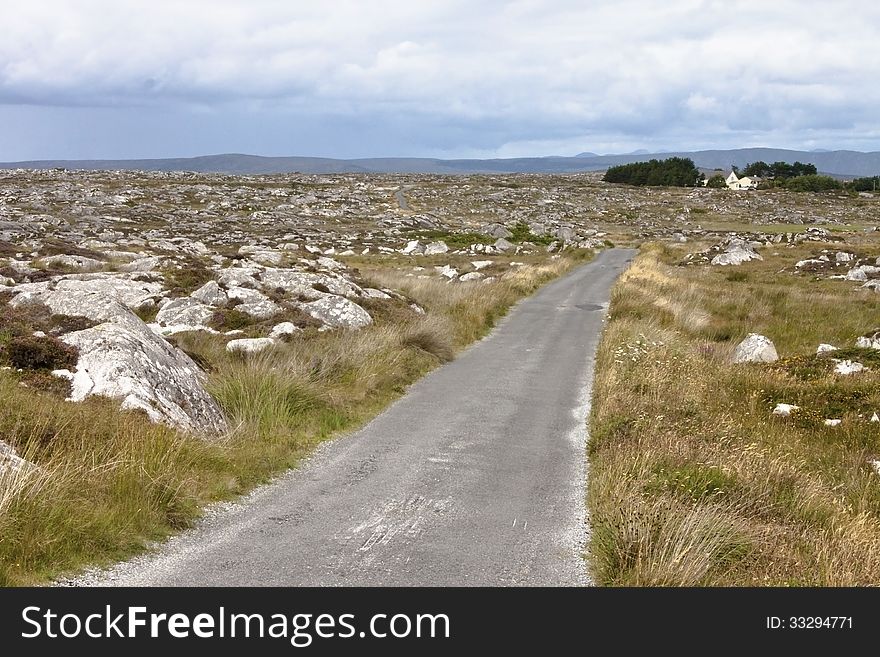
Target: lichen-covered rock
{"points": [[184, 311], [338, 312], [755, 349], [121, 358], [119, 287], [736, 252], [249, 345], [10, 461], [436, 248], [72, 262], [299, 282], [283, 330], [254, 303], [240, 277], [210, 294]]}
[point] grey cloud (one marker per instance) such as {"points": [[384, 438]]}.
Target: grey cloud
{"points": [[436, 76]]}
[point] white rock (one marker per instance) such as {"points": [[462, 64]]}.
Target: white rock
{"points": [[875, 417], [857, 274], [848, 367], [11, 462], [373, 293], [481, 264], [338, 312], [471, 276], [312, 249], [784, 410], [239, 277], [185, 311], [330, 263], [413, 247], [146, 264], [869, 341], [843, 256], [249, 345], [121, 358], [875, 465], [73, 262], [210, 294], [436, 248], [825, 348], [755, 349], [254, 303], [302, 283], [502, 244], [267, 257], [283, 329], [736, 252], [447, 271], [832, 423]]}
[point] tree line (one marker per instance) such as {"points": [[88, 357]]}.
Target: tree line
{"points": [[672, 172]]}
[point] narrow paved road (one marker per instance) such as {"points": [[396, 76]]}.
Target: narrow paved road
{"points": [[475, 477]]}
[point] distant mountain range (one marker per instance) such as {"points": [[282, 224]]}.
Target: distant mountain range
{"points": [[839, 163]]}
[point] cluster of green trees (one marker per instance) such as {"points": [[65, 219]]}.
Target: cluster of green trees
{"points": [[673, 172], [810, 183], [865, 184], [777, 170]]}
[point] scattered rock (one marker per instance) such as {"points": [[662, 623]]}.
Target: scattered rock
{"points": [[736, 252], [249, 345], [784, 410], [436, 248], [184, 311], [825, 348], [871, 341], [848, 367], [254, 303], [470, 276], [284, 329], [338, 312], [832, 422], [503, 245], [210, 294], [481, 264], [755, 348]]}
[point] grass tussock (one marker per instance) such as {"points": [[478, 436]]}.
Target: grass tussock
{"points": [[107, 483], [693, 480]]}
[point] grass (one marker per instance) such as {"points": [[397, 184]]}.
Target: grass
{"points": [[693, 481], [108, 483]]}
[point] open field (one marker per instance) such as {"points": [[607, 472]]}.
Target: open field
{"points": [[342, 296], [694, 480]]}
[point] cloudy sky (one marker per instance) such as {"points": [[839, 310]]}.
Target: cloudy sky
{"points": [[450, 78]]}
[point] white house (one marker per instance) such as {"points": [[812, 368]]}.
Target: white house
{"points": [[735, 182]]}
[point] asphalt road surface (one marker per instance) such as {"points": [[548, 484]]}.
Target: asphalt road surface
{"points": [[475, 477]]}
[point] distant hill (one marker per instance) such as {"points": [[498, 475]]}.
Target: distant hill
{"points": [[841, 163]]}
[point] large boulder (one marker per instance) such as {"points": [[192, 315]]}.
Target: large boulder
{"points": [[121, 358], [210, 294], [436, 248], [755, 349], [338, 312], [303, 283], [184, 311], [253, 303], [125, 288], [496, 230], [736, 252]]}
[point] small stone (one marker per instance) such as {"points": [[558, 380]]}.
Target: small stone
{"points": [[249, 345], [784, 410], [825, 348], [832, 423]]}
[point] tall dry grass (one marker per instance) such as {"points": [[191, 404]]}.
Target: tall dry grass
{"points": [[693, 482], [108, 482]]}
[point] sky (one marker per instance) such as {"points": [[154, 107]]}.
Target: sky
{"points": [[426, 78]]}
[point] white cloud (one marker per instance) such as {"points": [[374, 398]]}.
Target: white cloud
{"points": [[543, 73]]}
